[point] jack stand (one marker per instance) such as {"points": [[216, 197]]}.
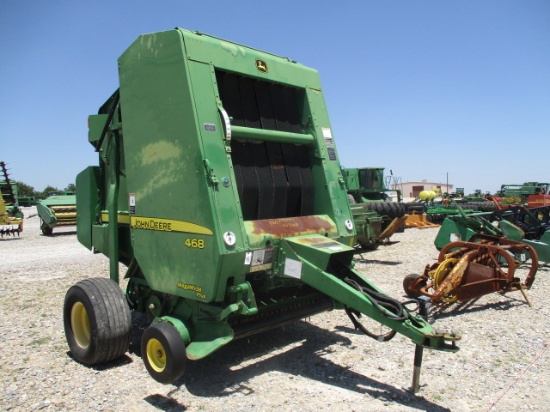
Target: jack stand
{"points": [[423, 307]]}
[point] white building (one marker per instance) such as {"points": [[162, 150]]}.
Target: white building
{"points": [[412, 189]]}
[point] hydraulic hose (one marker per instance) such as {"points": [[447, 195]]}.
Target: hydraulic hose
{"points": [[389, 307]]}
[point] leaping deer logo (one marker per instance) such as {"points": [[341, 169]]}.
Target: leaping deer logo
{"points": [[261, 65]]}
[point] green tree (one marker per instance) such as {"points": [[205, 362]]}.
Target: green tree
{"points": [[49, 190], [71, 187], [25, 190]]}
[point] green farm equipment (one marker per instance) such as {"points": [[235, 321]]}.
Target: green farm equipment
{"points": [[368, 184], [530, 194], [219, 187], [10, 193], [530, 226], [376, 216], [27, 201], [480, 252], [434, 212], [56, 210], [11, 218], [9, 225]]}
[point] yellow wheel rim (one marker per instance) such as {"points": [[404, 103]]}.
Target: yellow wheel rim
{"points": [[441, 273], [80, 324], [156, 355]]}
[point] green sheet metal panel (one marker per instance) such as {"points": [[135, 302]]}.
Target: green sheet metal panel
{"points": [[166, 179]]}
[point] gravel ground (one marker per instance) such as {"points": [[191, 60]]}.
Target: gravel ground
{"points": [[319, 364]]}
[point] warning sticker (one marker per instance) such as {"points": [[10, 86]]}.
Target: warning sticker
{"points": [[327, 135], [293, 268], [132, 203], [261, 260]]}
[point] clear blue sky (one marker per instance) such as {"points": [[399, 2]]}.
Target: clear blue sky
{"points": [[425, 88]]}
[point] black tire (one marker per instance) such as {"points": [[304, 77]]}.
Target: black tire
{"points": [[163, 352], [412, 285], [47, 231], [97, 321]]}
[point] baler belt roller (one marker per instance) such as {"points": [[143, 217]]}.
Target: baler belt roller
{"points": [[274, 180], [269, 151]]}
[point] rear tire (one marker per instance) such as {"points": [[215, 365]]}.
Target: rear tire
{"points": [[163, 352], [97, 321]]}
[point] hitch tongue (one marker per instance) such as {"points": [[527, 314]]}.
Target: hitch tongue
{"points": [[447, 334]]}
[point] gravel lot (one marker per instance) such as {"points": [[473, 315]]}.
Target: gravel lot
{"points": [[320, 364]]}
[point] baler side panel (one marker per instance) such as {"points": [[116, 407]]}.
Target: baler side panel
{"points": [[165, 172]]}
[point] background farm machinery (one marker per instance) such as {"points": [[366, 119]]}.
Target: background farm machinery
{"points": [[56, 210], [521, 224], [9, 225], [480, 252], [529, 194], [223, 196], [376, 215], [10, 192], [468, 270], [11, 217], [426, 211]]}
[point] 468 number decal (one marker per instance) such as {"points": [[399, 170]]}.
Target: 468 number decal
{"points": [[195, 243]]}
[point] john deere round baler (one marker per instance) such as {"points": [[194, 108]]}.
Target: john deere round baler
{"points": [[219, 187]]}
